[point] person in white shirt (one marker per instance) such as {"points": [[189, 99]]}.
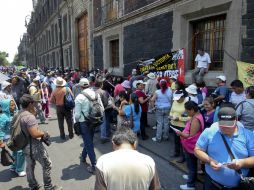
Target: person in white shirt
{"points": [[238, 95], [125, 168], [203, 61]]}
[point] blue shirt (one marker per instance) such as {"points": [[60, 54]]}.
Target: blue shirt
{"points": [[223, 90], [163, 100], [241, 144], [136, 116]]}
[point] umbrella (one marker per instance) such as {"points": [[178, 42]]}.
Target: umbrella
{"points": [[3, 77]]}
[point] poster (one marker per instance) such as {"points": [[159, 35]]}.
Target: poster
{"points": [[166, 65], [246, 73]]}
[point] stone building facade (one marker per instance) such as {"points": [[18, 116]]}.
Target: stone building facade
{"points": [[116, 34]]}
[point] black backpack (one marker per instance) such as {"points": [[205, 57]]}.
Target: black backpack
{"points": [[18, 139], [95, 116]]}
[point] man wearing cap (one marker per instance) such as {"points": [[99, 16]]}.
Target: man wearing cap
{"points": [[221, 171], [35, 92], [151, 85], [57, 98], [221, 93], [5, 92], [203, 62], [35, 151], [82, 107], [143, 101]]}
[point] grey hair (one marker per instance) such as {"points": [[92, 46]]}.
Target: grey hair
{"points": [[124, 135]]}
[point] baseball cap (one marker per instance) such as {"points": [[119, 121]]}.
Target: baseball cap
{"points": [[221, 77], [84, 82], [227, 117]]}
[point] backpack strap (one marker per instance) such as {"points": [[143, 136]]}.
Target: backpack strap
{"points": [[89, 97]]}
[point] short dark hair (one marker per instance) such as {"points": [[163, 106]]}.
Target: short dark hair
{"points": [[124, 135], [250, 91], [123, 94], [25, 100], [236, 83], [191, 105]]}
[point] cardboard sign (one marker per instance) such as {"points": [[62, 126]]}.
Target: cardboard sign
{"points": [[166, 65]]}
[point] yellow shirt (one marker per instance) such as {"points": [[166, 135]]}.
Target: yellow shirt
{"points": [[177, 110]]}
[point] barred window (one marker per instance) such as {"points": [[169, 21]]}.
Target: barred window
{"points": [[209, 34]]}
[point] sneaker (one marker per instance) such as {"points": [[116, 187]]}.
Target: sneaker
{"points": [[156, 140], [71, 136], [21, 174], [91, 169], [185, 187], [186, 177], [154, 127]]}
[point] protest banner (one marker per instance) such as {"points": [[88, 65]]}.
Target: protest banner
{"points": [[166, 65], [246, 73]]}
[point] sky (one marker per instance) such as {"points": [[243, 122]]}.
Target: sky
{"points": [[12, 20]]}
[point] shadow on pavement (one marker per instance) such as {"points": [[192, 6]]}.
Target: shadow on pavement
{"points": [[76, 171], [7, 175], [19, 188]]}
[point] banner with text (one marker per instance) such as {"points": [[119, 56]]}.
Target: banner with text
{"points": [[166, 65], [246, 73]]}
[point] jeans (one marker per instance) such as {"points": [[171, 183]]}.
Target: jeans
{"points": [[39, 111], [19, 164], [87, 133], [143, 124], [67, 114], [162, 123], [192, 165], [105, 126], [40, 155], [209, 184], [198, 74], [178, 145]]}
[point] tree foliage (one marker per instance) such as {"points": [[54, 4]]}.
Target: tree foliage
{"points": [[3, 58], [16, 61]]}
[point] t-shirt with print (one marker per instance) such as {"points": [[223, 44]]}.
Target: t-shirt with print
{"points": [[142, 94], [27, 120]]}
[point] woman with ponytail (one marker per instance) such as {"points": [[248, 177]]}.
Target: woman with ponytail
{"points": [[135, 109], [162, 100]]}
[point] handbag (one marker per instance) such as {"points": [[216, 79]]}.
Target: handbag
{"points": [[245, 182], [128, 121], [6, 158]]}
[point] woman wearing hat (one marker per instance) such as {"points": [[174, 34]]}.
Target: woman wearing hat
{"points": [[192, 93], [178, 119]]}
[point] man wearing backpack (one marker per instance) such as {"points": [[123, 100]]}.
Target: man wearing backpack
{"points": [[57, 98], [85, 104], [34, 150]]}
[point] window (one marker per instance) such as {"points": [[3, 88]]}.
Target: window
{"points": [[114, 53], [65, 28], [111, 10], [210, 34]]}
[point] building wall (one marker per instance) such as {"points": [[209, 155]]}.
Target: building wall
{"points": [[132, 5], [247, 54], [146, 39]]}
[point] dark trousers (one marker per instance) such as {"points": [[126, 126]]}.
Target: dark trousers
{"points": [[67, 114], [209, 184], [178, 145], [192, 165], [143, 123], [87, 133]]}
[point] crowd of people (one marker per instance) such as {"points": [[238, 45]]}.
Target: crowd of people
{"points": [[198, 119]]}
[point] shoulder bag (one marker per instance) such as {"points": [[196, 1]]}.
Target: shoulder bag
{"points": [[245, 182]]}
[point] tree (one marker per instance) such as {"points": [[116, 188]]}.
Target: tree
{"points": [[16, 61], [3, 58]]}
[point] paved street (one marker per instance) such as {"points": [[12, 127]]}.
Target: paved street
{"points": [[71, 174]]}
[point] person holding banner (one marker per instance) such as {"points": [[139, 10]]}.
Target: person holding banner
{"points": [[203, 61]]}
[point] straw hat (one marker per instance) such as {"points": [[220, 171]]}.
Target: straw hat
{"points": [[59, 81]]}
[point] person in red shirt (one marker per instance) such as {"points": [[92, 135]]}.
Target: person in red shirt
{"points": [[143, 100]]}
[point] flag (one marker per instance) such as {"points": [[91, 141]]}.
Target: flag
{"points": [[246, 73]]}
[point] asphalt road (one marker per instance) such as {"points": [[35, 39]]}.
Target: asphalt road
{"points": [[69, 173]]}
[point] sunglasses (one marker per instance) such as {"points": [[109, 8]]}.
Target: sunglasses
{"points": [[229, 126]]}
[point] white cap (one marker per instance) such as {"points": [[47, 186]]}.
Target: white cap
{"points": [[84, 82], [177, 96], [139, 82], [221, 77], [192, 89]]}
